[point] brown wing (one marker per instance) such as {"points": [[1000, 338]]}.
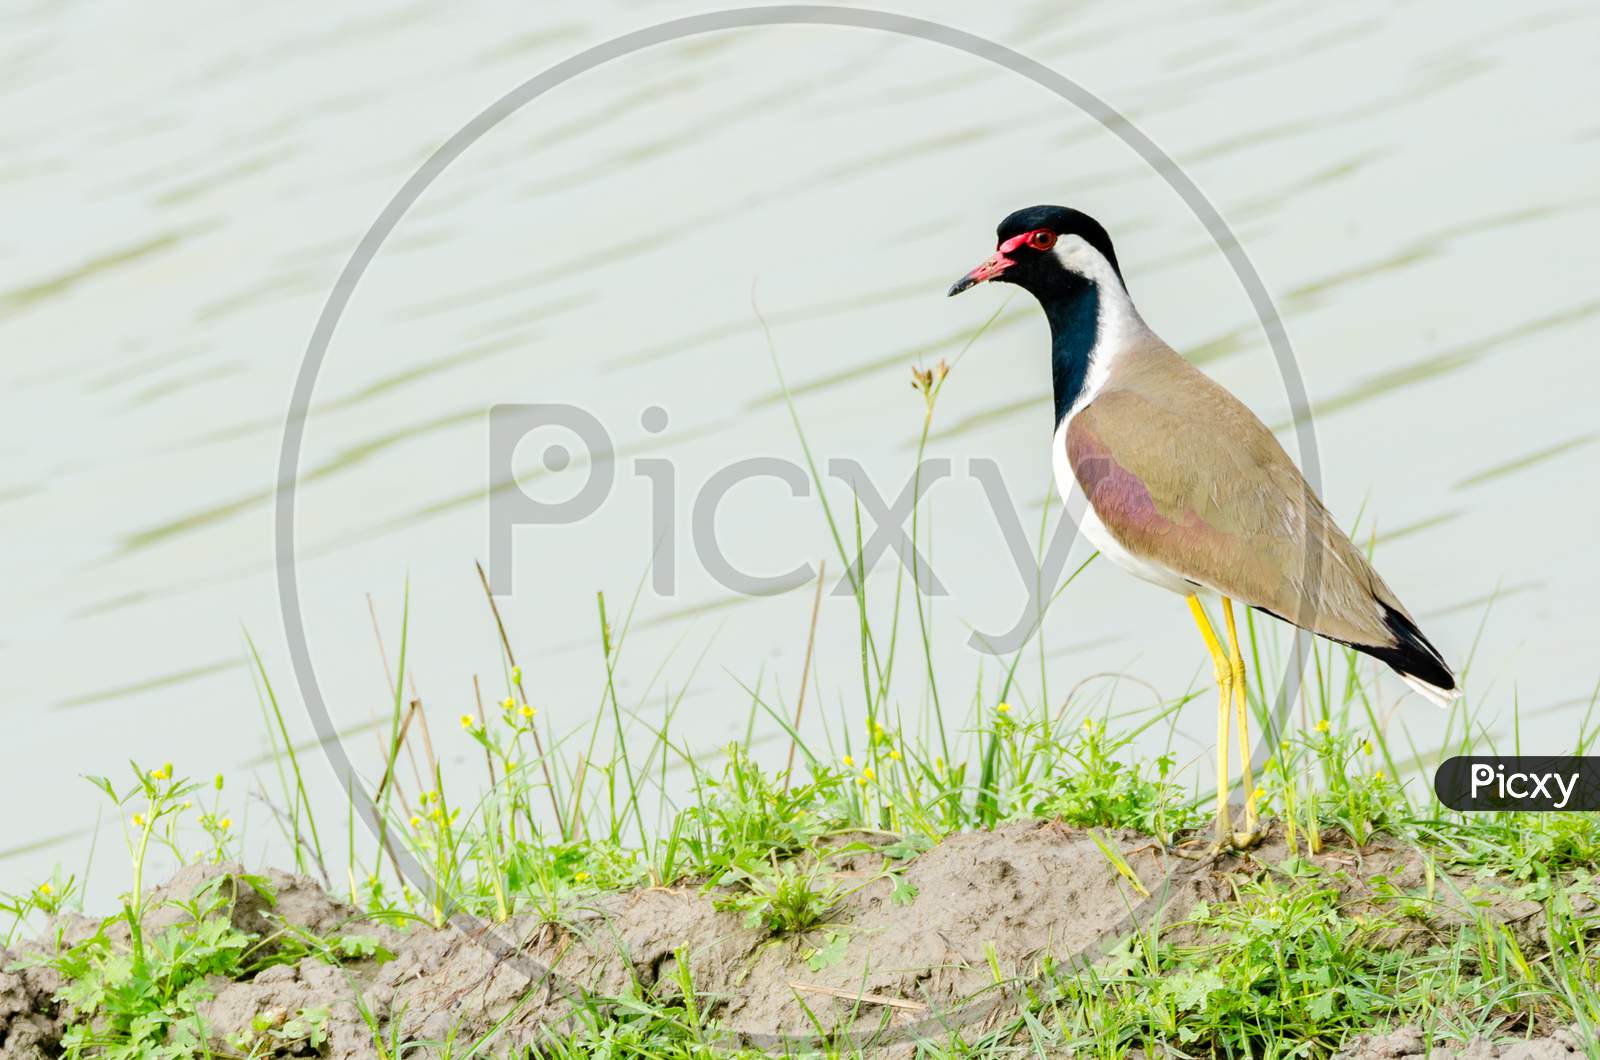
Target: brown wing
{"points": [[1182, 474]]}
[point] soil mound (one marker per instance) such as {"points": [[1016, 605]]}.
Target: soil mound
{"points": [[895, 959]]}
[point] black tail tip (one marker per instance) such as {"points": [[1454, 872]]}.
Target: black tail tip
{"points": [[1415, 659]]}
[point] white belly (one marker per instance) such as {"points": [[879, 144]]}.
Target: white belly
{"points": [[1097, 534]]}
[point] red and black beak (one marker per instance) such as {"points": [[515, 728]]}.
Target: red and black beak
{"points": [[992, 266]]}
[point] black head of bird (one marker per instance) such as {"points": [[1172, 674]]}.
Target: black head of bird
{"points": [[1033, 248]]}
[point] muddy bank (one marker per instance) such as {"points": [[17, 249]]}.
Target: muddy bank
{"points": [[884, 969], [1409, 1043]]}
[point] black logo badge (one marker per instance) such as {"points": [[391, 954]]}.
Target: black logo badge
{"points": [[1532, 782]]}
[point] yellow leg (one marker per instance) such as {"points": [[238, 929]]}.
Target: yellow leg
{"points": [[1241, 701], [1224, 673]]}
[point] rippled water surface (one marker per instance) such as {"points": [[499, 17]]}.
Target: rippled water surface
{"points": [[182, 185]]}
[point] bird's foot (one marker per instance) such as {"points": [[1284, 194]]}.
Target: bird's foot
{"points": [[1181, 850], [1207, 852], [1253, 833], [1247, 840], [1233, 842]]}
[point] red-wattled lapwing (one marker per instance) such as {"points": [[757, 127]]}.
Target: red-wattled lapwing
{"points": [[1186, 487]]}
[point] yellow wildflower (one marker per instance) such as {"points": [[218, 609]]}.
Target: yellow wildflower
{"points": [[528, 712], [46, 889], [468, 722], [849, 762], [161, 774], [138, 820], [1003, 708], [867, 774], [225, 824], [1379, 775], [1322, 725], [894, 756], [1258, 794], [416, 822], [862, 781], [508, 704], [579, 877]]}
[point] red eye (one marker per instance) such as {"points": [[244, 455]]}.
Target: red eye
{"points": [[1041, 239]]}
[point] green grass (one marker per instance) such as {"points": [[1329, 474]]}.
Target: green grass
{"points": [[553, 818], [1280, 969]]}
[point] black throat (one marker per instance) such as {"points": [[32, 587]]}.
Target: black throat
{"points": [[1071, 304]]}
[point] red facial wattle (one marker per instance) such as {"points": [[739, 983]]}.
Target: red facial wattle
{"points": [[1039, 239]]}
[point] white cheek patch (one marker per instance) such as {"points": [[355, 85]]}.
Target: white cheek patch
{"points": [[1076, 254], [1119, 322]]}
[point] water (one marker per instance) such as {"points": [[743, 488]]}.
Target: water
{"points": [[182, 187]]}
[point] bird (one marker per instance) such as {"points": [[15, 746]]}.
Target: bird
{"points": [[1186, 487]]}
